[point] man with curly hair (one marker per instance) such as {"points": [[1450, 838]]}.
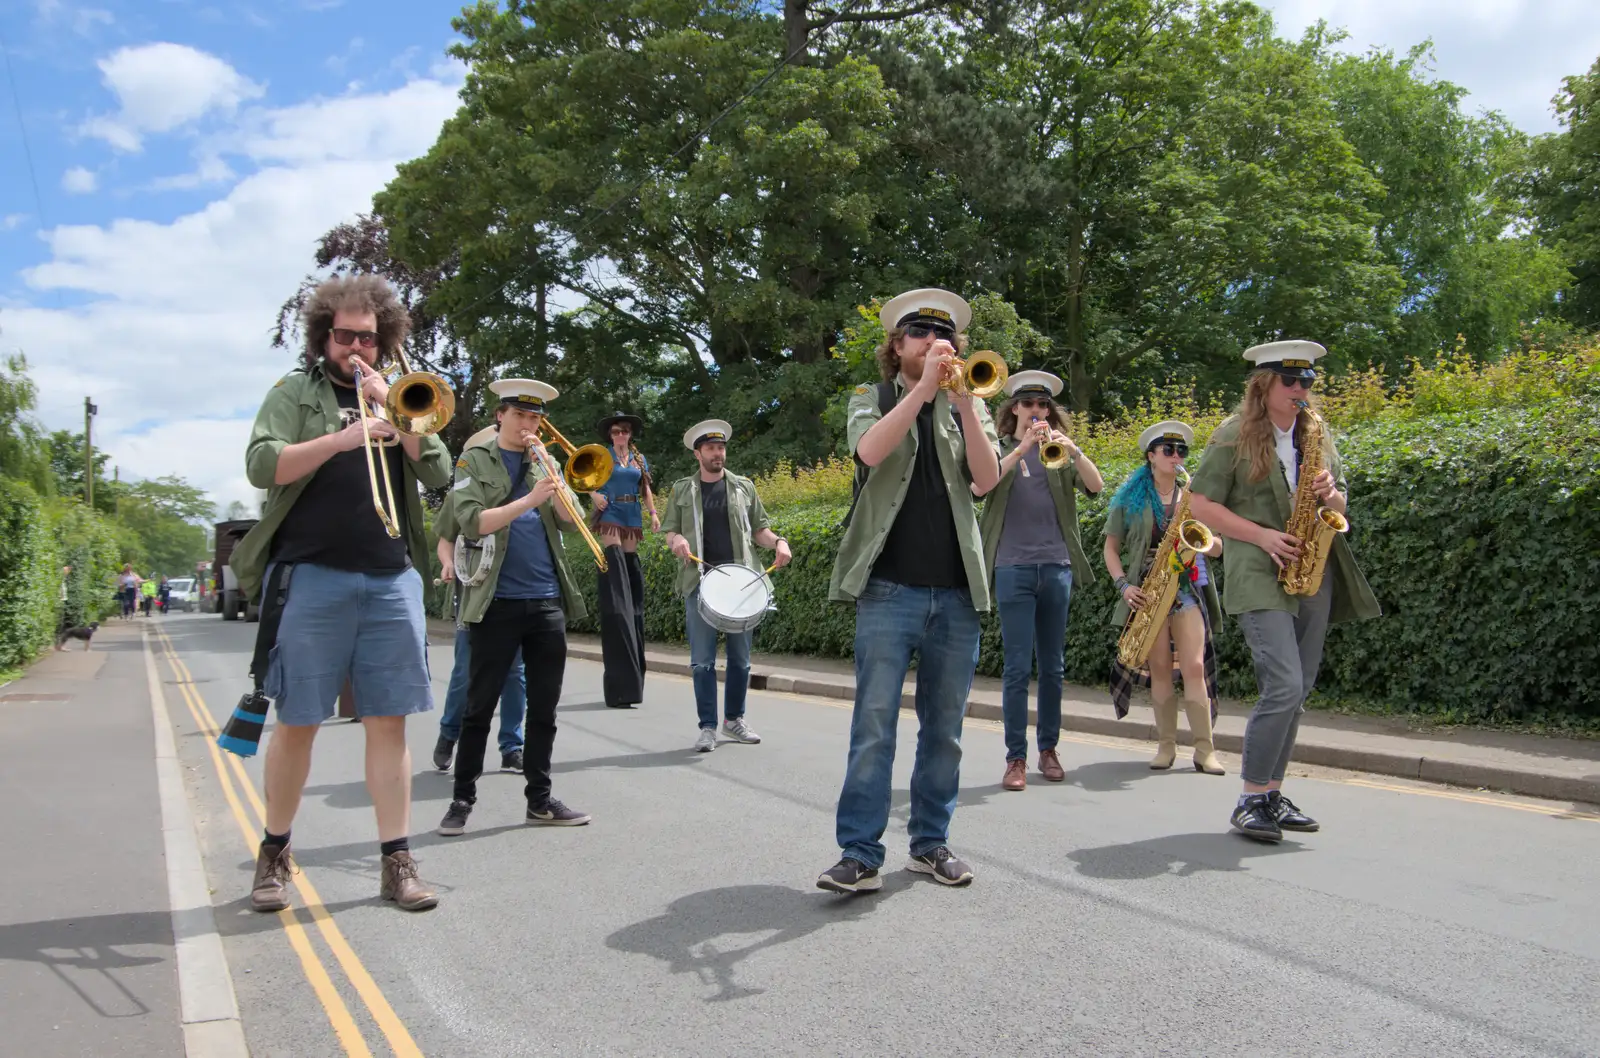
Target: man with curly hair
{"points": [[351, 594]]}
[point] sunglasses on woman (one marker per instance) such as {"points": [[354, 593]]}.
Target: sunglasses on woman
{"points": [[345, 336], [922, 330], [1170, 448], [1304, 383]]}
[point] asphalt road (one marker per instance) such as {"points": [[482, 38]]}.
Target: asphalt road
{"points": [[1112, 914]]}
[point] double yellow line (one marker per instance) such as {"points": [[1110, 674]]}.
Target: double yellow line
{"points": [[251, 824]]}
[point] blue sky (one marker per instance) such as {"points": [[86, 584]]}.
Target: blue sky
{"points": [[188, 153]]}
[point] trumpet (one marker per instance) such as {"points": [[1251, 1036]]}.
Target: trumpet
{"points": [[588, 468], [419, 403], [981, 375]]}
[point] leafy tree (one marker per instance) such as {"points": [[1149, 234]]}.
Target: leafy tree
{"points": [[1563, 186], [66, 466], [24, 452]]}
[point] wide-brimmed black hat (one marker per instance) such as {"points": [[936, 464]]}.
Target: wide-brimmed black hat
{"points": [[603, 427]]}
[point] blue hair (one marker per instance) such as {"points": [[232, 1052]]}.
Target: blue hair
{"points": [[1138, 494]]}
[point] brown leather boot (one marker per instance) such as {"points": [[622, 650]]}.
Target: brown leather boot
{"points": [[1205, 752], [270, 889], [1166, 735], [1016, 777], [401, 884], [1050, 766]]}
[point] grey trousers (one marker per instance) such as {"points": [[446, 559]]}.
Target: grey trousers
{"points": [[1287, 649]]}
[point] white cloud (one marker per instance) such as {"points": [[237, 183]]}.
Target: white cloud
{"points": [[11, 221], [172, 339], [162, 87], [1509, 54], [79, 181]]}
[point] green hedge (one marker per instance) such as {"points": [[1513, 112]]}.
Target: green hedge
{"points": [[30, 576], [95, 548], [1479, 532]]}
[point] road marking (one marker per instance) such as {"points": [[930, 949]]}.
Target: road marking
{"points": [[389, 1023], [1083, 740]]}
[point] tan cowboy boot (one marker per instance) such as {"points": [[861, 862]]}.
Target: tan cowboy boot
{"points": [[401, 884], [1166, 734], [1205, 755]]}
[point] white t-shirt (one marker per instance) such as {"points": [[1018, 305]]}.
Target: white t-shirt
{"points": [[1283, 440]]}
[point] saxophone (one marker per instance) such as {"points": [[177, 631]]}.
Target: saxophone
{"points": [[1309, 522], [1185, 537]]}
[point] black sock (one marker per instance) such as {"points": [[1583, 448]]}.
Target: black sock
{"points": [[397, 845], [280, 840]]}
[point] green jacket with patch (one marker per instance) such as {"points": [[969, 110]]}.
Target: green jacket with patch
{"points": [[301, 407], [1251, 579], [746, 517], [879, 501], [481, 483]]}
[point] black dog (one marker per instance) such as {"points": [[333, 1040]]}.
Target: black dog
{"points": [[85, 634]]}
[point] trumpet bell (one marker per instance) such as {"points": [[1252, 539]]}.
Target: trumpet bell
{"points": [[420, 404], [588, 468], [985, 374], [1053, 454]]}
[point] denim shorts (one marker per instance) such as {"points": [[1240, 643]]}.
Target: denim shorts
{"points": [[337, 625]]}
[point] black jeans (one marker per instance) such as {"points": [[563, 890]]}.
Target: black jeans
{"points": [[539, 628]]}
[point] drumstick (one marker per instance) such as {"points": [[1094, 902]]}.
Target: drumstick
{"points": [[696, 558]]}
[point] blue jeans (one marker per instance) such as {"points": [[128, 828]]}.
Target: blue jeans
{"points": [[703, 661], [1033, 615], [893, 622], [513, 699]]}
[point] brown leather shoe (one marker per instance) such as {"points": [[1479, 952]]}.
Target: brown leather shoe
{"points": [[401, 884], [1016, 775], [1050, 766], [270, 889]]}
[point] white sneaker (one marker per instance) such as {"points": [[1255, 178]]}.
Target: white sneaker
{"points": [[740, 731], [707, 740]]}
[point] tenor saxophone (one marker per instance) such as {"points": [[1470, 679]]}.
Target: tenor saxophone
{"points": [[1185, 537], [1309, 522]]}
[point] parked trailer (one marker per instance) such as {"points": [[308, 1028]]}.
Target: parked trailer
{"points": [[229, 601]]}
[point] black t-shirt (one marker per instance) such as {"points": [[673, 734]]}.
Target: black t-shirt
{"points": [[715, 540], [922, 550], [333, 523]]}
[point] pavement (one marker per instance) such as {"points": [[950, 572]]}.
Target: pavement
{"points": [[1112, 914], [1533, 765]]}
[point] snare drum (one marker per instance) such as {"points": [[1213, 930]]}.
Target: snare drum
{"points": [[734, 598]]}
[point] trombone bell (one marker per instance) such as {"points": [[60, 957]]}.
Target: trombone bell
{"points": [[588, 468], [420, 404]]}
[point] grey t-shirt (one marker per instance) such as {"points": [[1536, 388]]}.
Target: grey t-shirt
{"points": [[1032, 531]]}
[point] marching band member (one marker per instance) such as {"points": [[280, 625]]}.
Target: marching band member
{"points": [[1140, 513], [713, 517], [1246, 489], [620, 505], [354, 604], [1032, 547], [514, 696], [911, 561], [505, 488]]}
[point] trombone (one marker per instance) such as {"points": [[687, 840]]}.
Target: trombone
{"points": [[588, 468], [982, 375], [419, 404]]}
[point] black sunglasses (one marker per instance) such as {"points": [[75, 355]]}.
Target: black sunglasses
{"points": [[1291, 382], [922, 330], [1171, 448], [345, 336]]}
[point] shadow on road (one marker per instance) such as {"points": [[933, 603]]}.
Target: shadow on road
{"points": [[684, 935], [1111, 776], [1189, 853]]}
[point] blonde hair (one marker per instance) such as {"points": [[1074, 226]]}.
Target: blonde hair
{"points": [[1255, 428]]}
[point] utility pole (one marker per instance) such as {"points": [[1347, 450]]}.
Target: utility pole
{"points": [[89, 411], [116, 488]]}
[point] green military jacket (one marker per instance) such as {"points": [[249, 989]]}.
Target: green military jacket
{"points": [[1137, 538], [1062, 483], [445, 526], [481, 484], [885, 489], [746, 517], [300, 407], [1252, 577]]}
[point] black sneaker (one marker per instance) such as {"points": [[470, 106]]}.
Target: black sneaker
{"points": [[455, 820], [850, 875], [443, 750], [511, 761], [1288, 816], [554, 814], [943, 865], [1254, 819]]}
